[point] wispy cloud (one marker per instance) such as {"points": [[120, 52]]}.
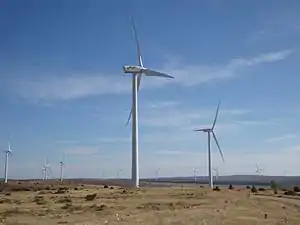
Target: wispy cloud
{"points": [[281, 138], [67, 142], [170, 115], [81, 151], [53, 88]]}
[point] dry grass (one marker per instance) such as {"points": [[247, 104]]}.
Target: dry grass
{"points": [[71, 205]]}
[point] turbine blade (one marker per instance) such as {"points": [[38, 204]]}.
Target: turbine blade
{"points": [[217, 112], [216, 140], [153, 73], [200, 130], [139, 79], [137, 42]]}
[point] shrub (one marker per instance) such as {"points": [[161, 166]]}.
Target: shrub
{"points": [[261, 189], [216, 188], [296, 189], [253, 189], [230, 187], [90, 197], [61, 190], [248, 187], [111, 188], [290, 192], [105, 186], [65, 199], [39, 200]]}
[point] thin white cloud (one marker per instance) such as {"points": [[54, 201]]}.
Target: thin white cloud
{"points": [[67, 142], [170, 115], [281, 138], [112, 139], [81, 151], [47, 89], [254, 122]]}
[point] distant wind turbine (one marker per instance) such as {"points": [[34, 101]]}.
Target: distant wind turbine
{"points": [[216, 172], [137, 73], [210, 131], [258, 169], [46, 170], [8, 153], [62, 166], [195, 170], [157, 173], [118, 173]]}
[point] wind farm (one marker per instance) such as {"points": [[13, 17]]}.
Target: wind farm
{"points": [[91, 146]]}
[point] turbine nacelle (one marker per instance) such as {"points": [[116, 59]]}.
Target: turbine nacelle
{"points": [[133, 69]]}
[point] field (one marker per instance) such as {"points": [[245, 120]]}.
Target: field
{"points": [[73, 203]]}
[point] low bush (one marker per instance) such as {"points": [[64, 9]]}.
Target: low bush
{"points": [[216, 188], [90, 197], [290, 193], [253, 189], [296, 189]]}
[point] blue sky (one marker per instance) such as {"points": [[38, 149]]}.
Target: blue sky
{"points": [[63, 90]]}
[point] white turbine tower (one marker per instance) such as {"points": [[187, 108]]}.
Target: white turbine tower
{"points": [[210, 131], [195, 170], [62, 166], [8, 153], [137, 73], [46, 169]]}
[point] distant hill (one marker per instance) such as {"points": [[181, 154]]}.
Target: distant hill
{"points": [[284, 181]]}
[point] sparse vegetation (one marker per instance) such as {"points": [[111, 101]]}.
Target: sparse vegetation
{"points": [[90, 197], [253, 189], [230, 187], [296, 189], [164, 205], [291, 193], [216, 188]]}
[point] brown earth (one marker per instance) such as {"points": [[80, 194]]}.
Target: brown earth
{"points": [[37, 202]]}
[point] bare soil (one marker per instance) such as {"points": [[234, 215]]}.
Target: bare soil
{"points": [[37, 202]]}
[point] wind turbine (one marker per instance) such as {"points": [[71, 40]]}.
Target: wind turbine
{"points": [[157, 173], [8, 153], [118, 173], [210, 131], [62, 165], [216, 172], [258, 169], [46, 169], [194, 172], [137, 73]]}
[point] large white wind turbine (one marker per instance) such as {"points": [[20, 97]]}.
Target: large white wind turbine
{"points": [[210, 131], [62, 165], [137, 73], [8, 153]]}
